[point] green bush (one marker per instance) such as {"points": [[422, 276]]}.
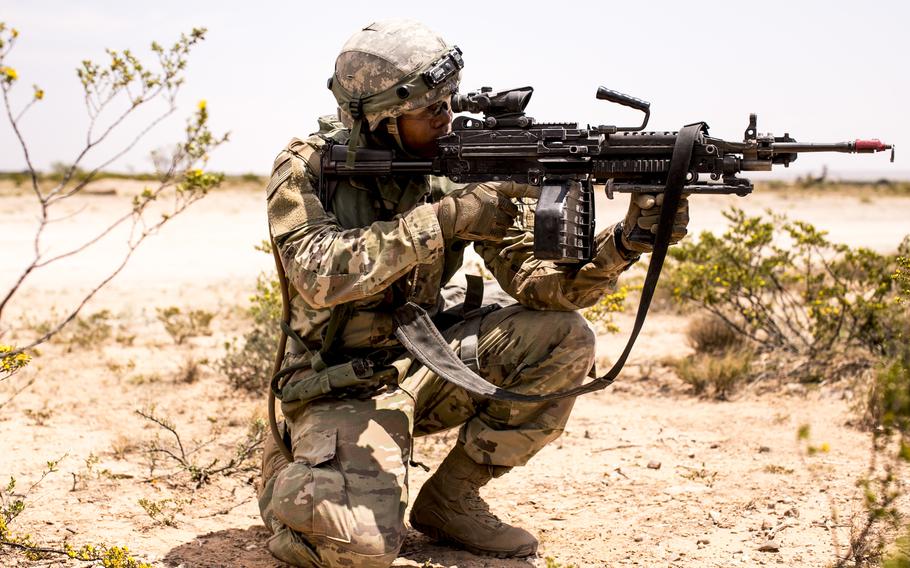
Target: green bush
{"points": [[784, 287], [899, 555], [902, 277], [248, 362]]}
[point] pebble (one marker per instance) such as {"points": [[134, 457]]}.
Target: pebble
{"points": [[769, 546], [766, 525], [703, 541], [653, 465], [638, 538], [715, 517], [764, 449]]}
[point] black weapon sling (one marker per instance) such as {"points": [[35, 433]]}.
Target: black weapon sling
{"points": [[417, 333]]}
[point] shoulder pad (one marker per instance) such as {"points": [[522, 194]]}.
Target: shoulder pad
{"points": [[307, 151]]}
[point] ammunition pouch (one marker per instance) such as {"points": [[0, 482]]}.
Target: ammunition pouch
{"points": [[354, 378]]}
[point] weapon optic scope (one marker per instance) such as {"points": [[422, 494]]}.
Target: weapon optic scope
{"points": [[510, 101]]}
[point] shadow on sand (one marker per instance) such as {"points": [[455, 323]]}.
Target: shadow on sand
{"points": [[246, 548]]}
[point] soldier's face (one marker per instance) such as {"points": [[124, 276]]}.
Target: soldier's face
{"points": [[420, 128]]}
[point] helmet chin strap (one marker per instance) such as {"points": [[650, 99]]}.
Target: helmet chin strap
{"points": [[392, 128]]}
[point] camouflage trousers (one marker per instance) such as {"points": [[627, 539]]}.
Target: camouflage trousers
{"points": [[342, 502]]}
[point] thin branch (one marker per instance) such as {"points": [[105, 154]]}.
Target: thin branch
{"points": [[25, 109], [170, 428], [89, 242], [19, 391], [28, 161], [75, 312], [90, 143], [56, 195]]}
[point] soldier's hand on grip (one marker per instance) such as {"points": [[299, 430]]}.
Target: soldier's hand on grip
{"points": [[479, 212], [640, 225]]}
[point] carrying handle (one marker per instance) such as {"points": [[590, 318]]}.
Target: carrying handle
{"points": [[623, 99]]}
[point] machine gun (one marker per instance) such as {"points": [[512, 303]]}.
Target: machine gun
{"points": [[567, 161]]}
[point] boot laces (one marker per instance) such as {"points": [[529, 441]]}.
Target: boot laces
{"points": [[480, 509]]}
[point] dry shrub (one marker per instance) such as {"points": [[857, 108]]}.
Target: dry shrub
{"points": [[123, 445], [89, 331], [710, 334], [183, 325], [191, 370], [719, 373]]}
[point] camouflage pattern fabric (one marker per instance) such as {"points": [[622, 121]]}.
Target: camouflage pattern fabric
{"points": [[374, 59], [342, 501]]}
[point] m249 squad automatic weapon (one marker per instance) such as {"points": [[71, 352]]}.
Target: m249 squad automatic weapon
{"points": [[567, 161]]}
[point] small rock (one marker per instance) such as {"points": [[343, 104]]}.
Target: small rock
{"points": [[769, 546], [714, 516], [691, 455], [653, 465], [638, 538], [715, 446], [766, 525], [251, 547], [792, 512], [703, 541], [764, 449]]}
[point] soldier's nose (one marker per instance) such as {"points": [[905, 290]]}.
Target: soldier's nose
{"points": [[443, 120]]}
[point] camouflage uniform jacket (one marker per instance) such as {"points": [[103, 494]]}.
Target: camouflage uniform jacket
{"points": [[381, 245]]}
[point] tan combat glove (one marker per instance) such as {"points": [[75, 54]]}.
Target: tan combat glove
{"points": [[480, 212], [639, 228]]}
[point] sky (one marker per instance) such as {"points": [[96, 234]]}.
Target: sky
{"points": [[822, 71]]}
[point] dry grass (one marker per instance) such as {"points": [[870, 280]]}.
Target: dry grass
{"points": [[717, 375], [709, 334]]}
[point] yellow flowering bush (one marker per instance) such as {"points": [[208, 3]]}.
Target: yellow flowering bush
{"points": [[601, 313], [8, 75], [784, 286], [11, 361]]}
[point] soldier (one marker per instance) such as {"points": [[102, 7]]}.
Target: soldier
{"points": [[356, 252]]}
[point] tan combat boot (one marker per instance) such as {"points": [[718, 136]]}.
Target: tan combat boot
{"points": [[449, 508]]}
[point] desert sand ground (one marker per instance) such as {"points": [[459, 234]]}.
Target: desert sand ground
{"points": [[646, 474]]}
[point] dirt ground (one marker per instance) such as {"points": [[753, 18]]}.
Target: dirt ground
{"points": [[646, 474]]}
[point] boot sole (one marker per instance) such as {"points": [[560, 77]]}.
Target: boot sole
{"points": [[436, 534]]}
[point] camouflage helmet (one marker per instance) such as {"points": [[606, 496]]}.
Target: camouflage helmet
{"points": [[390, 67]]}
